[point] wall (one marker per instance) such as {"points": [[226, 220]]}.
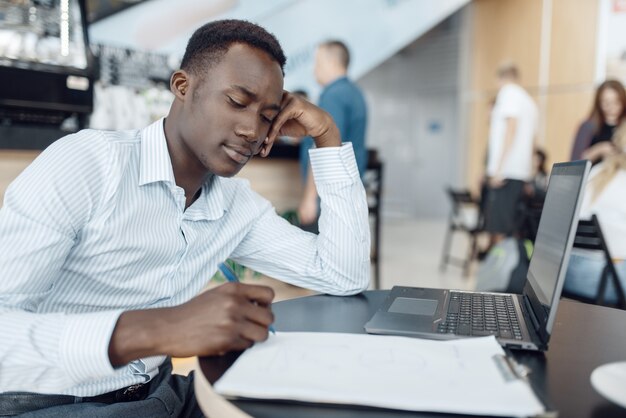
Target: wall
{"points": [[373, 29], [554, 44], [413, 107], [12, 163]]}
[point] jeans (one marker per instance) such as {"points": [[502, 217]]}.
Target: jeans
{"points": [[583, 277], [170, 395]]}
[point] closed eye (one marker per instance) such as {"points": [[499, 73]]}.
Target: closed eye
{"points": [[235, 103], [266, 119]]}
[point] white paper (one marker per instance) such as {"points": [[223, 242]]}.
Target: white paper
{"points": [[458, 376]]}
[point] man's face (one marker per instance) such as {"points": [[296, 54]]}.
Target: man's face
{"points": [[230, 109]]}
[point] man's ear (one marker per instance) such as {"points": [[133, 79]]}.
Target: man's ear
{"points": [[179, 84]]}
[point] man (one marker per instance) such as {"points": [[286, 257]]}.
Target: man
{"points": [[108, 237], [344, 101], [509, 164]]}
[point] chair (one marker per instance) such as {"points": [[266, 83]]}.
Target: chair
{"points": [[589, 237], [461, 201], [373, 182]]}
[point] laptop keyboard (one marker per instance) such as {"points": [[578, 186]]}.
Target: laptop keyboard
{"points": [[481, 314]]}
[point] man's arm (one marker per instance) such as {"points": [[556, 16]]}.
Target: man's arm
{"points": [[337, 260], [308, 209], [230, 317], [44, 211], [509, 138]]}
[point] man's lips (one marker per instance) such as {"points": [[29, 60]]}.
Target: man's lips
{"points": [[238, 154]]}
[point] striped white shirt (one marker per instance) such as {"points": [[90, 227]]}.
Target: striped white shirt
{"points": [[96, 225]]}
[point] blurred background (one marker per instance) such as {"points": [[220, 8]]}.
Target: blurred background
{"points": [[427, 70]]}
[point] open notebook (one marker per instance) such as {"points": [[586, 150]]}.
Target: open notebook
{"points": [[470, 376]]}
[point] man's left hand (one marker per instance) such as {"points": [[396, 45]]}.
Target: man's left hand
{"points": [[299, 117]]}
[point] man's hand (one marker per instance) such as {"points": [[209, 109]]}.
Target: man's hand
{"points": [[299, 117], [496, 182], [230, 317]]}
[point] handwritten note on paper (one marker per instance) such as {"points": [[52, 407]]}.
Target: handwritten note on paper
{"points": [[458, 376]]}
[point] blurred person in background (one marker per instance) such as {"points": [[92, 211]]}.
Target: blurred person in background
{"points": [[538, 184], [593, 138], [604, 197], [535, 191], [344, 100], [513, 126]]}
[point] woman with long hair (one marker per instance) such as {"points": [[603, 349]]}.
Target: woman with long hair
{"points": [[593, 139], [604, 197]]}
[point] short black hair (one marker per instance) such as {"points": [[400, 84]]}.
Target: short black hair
{"points": [[340, 51], [210, 42]]}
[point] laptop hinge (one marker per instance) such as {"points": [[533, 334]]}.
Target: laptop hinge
{"points": [[531, 313]]}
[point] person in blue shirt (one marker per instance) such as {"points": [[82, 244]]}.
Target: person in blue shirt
{"points": [[344, 100]]}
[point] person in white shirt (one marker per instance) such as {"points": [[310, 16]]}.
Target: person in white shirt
{"points": [[107, 238], [604, 197], [509, 164]]}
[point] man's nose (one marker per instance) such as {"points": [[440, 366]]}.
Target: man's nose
{"points": [[248, 130]]}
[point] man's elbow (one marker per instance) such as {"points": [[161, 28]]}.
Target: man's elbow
{"points": [[353, 285]]}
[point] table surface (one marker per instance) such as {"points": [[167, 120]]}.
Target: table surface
{"points": [[584, 337]]}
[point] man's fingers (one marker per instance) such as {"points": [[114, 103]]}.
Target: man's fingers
{"points": [[283, 116], [253, 332], [263, 295], [266, 148], [278, 123], [259, 314]]}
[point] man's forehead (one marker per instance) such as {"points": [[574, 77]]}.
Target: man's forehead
{"points": [[251, 94], [250, 69]]}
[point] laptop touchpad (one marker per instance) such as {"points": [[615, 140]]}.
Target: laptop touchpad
{"points": [[414, 306]]}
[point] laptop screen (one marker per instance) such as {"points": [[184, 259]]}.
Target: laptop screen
{"points": [[557, 226]]}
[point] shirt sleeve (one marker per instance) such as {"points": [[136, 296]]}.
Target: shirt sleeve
{"points": [[582, 140], [41, 220], [337, 261], [509, 103]]}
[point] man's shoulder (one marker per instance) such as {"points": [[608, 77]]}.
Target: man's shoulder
{"points": [[515, 96], [97, 146], [511, 91], [95, 137], [343, 90], [342, 84]]}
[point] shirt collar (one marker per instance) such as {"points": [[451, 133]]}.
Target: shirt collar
{"points": [[156, 165], [211, 203]]}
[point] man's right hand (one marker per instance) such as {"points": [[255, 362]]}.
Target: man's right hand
{"points": [[230, 317]]}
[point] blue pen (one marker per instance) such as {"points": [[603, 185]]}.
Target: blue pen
{"points": [[232, 277]]}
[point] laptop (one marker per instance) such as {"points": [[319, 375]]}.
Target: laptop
{"points": [[518, 321]]}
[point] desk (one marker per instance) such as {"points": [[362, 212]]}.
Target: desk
{"points": [[561, 374]]}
